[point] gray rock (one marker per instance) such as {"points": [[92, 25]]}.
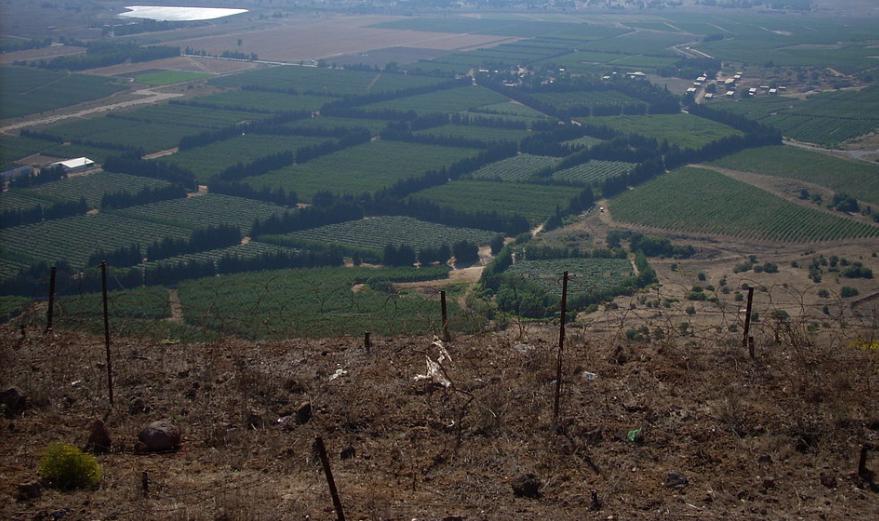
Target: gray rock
{"points": [[12, 402], [159, 436]]}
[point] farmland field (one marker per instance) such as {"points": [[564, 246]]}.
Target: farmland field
{"points": [[534, 202], [314, 303], [517, 168], [190, 116], [509, 108], [203, 210], [585, 141], [459, 99], [159, 78], [240, 251], [703, 201], [92, 187], [567, 100], [207, 161], [593, 172], [373, 125], [586, 276], [13, 148], [76, 238], [324, 81], [827, 119], [149, 136], [374, 233], [260, 101], [363, 168], [26, 90], [854, 178], [20, 200], [506, 27], [684, 130], [476, 133]]}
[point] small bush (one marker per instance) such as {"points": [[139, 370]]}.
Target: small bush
{"points": [[66, 467], [849, 292]]}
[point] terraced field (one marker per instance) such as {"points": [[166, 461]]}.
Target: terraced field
{"points": [[332, 82], [76, 238], [684, 130], [459, 99], [517, 168], [207, 161], [702, 201], [92, 187], [534, 202], [374, 233], [203, 210], [855, 178], [593, 172], [363, 168]]}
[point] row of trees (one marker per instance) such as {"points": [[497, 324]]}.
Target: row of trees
{"points": [[149, 194], [132, 164], [201, 239], [104, 53], [45, 175], [35, 214]]}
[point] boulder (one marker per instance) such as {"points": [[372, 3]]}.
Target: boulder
{"points": [[527, 485], [12, 402], [99, 440], [159, 436]]}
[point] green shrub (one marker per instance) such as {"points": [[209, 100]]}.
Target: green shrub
{"points": [[66, 467], [849, 292]]}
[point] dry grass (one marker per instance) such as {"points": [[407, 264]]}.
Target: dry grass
{"points": [[753, 437]]}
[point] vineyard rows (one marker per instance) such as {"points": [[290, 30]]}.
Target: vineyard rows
{"points": [[92, 187], [240, 251], [517, 168], [477, 133], [459, 99], [585, 275], [260, 101], [204, 210], [593, 172], [332, 82]]}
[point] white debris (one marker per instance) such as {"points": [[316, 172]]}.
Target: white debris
{"points": [[435, 369], [339, 372]]}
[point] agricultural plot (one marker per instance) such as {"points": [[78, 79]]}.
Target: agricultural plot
{"points": [[207, 161], [331, 82], [509, 108], [855, 178], [374, 233], [585, 141], [28, 90], [459, 99], [9, 267], [702, 201], [20, 200], [148, 136], [534, 202], [159, 78], [261, 101], [238, 251], [827, 119], [506, 27], [517, 168], [76, 238], [593, 172], [203, 210], [13, 148], [477, 133], [315, 303], [11, 306], [640, 42], [190, 116], [684, 130], [363, 168], [568, 100], [585, 276], [329, 122], [92, 187]]}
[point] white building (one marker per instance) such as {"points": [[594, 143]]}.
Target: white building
{"points": [[76, 164]]}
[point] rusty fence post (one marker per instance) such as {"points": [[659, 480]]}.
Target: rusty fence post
{"points": [[325, 461], [745, 341], [51, 311], [558, 372], [446, 336], [367, 344], [107, 329]]}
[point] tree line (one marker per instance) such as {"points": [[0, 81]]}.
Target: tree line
{"points": [[38, 213]]}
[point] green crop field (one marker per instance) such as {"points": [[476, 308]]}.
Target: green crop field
{"points": [[190, 116], [855, 178], [703, 201], [260, 101], [333, 82], [585, 276], [477, 133], [459, 99], [159, 78], [363, 168], [315, 303], [20, 200], [27, 90], [509, 108], [585, 141], [641, 42], [534, 202], [568, 100], [827, 119], [149, 136], [207, 161], [373, 125], [92, 187], [14, 148], [593, 172], [203, 210], [374, 233], [684, 130], [238, 251], [517, 168], [76, 238], [501, 26]]}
